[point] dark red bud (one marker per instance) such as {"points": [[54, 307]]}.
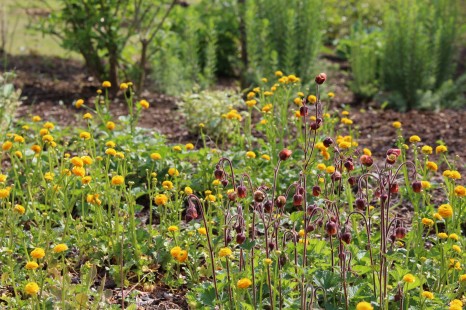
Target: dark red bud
{"points": [[366, 160], [303, 111], [391, 159], [328, 141], [271, 245], [280, 201], [342, 256], [394, 188], [352, 181], [331, 228], [310, 209], [228, 239], [417, 186], [400, 232], [259, 196], [349, 165], [315, 126], [316, 190], [396, 152], [392, 238], [297, 200], [360, 204], [346, 237], [336, 176], [268, 206], [219, 174], [224, 182], [240, 238], [320, 79], [310, 228], [241, 191], [284, 154], [301, 190], [282, 260]]}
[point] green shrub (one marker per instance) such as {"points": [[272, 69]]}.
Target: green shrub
{"points": [[419, 49], [9, 100]]}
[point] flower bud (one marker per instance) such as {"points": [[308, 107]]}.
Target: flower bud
{"points": [[360, 204], [366, 160], [241, 191], [280, 201], [191, 214], [268, 207], [303, 111], [328, 141], [342, 256], [400, 232], [315, 126], [394, 188], [301, 190], [331, 228], [346, 237], [392, 238], [352, 181], [336, 176], [238, 228], [232, 196], [228, 239], [320, 79], [417, 186], [259, 196], [349, 165], [219, 174], [284, 154], [240, 238], [297, 200], [282, 260], [310, 209], [391, 159], [271, 245], [224, 182], [316, 190], [383, 198], [310, 228]]}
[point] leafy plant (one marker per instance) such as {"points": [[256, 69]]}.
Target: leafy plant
{"points": [[9, 100]]}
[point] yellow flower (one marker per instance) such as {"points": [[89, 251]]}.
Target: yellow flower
{"points": [[106, 84], [110, 151], [414, 139], [264, 121], [177, 148], [36, 118], [144, 104], [19, 154], [442, 235], [267, 261], [173, 172], [36, 148], [265, 157], [174, 252], [4, 193], [118, 180], [441, 149], [298, 101], [264, 80], [2, 178], [188, 190], [172, 228], [32, 265], [445, 211], [85, 135], [123, 86], [216, 182], [425, 184], [331, 95], [244, 283], [49, 125], [456, 248], [160, 199], [79, 171], [38, 253], [454, 237], [427, 150], [364, 305], [250, 154], [43, 131], [367, 152], [460, 191], [120, 155], [346, 113], [225, 252], [455, 175], [79, 103], [427, 222], [396, 125], [48, 176], [19, 209], [182, 256], [409, 278], [77, 162], [155, 156], [428, 295], [278, 73], [463, 278], [344, 145], [267, 108], [87, 116], [189, 146], [321, 167], [312, 99], [60, 248], [431, 166], [168, 185], [251, 103], [87, 160], [330, 169], [210, 198], [18, 139], [110, 125], [86, 180], [456, 304], [110, 144], [7, 145], [202, 231], [32, 288]]}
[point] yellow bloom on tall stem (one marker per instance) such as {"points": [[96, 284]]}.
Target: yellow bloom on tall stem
{"points": [[32, 288], [244, 283]]}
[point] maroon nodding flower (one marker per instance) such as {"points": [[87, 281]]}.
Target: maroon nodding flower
{"points": [[259, 196], [400, 232], [360, 204], [349, 165], [316, 190], [346, 237], [232, 196], [303, 111], [224, 182], [271, 245], [240, 238], [417, 186], [336, 176], [297, 200], [396, 152], [284, 154], [366, 160], [228, 238], [328, 141], [191, 213], [352, 181], [310, 228], [219, 174], [331, 228], [280, 201], [394, 188], [315, 126], [320, 79], [242, 191], [268, 207]]}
